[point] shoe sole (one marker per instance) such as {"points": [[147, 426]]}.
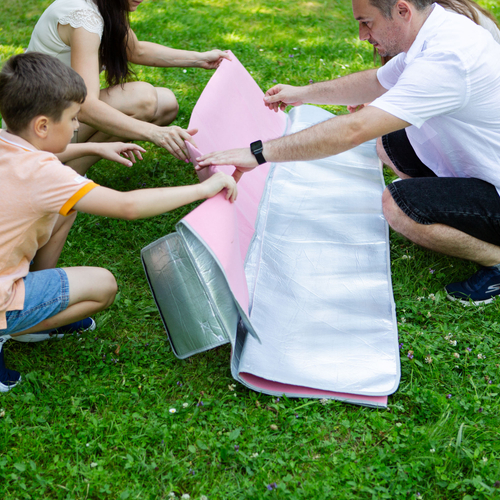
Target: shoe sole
{"points": [[7, 388], [470, 302], [40, 337]]}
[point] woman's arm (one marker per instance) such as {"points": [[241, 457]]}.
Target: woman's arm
{"points": [[154, 54], [103, 117]]}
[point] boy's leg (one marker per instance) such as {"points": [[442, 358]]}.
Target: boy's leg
{"points": [[91, 289], [48, 255]]}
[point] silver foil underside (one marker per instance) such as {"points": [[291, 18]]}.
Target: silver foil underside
{"points": [[321, 312]]}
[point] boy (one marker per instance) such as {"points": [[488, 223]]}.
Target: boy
{"points": [[39, 100]]}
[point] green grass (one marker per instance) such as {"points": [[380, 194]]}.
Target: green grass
{"points": [[92, 419]]}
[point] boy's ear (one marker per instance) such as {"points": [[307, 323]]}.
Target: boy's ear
{"points": [[40, 126]]}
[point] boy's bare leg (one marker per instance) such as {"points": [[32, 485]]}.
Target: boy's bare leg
{"points": [[48, 255], [139, 100], [91, 289]]}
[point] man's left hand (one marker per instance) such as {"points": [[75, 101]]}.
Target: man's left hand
{"points": [[242, 159]]}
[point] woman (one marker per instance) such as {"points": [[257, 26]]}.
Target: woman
{"points": [[90, 35]]}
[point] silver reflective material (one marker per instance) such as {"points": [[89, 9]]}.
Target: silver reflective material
{"points": [[321, 312]]}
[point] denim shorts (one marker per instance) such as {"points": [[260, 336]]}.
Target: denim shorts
{"points": [[469, 205], [46, 294]]}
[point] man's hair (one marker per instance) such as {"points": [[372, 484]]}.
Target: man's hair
{"points": [[36, 84], [386, 6]]}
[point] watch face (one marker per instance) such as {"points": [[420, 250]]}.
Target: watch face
{"points": [[256, 147]]}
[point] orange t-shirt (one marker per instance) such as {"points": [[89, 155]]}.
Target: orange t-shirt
{"points": [[35, 188]]}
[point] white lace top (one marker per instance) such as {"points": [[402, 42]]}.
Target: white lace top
{"points": [[77, 13]]}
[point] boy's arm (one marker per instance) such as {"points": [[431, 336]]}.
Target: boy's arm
{"points": [[108, 150], [149, 202]]}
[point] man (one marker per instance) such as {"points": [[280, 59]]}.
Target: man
{"points": [[436, 108]]}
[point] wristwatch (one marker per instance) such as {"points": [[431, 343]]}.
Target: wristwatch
{"points": [[256, 149]]}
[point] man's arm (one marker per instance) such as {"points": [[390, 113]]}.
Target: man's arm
{"points": [[351, 89], [324, 139]]}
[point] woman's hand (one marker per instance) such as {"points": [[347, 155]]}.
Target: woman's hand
{"points": [[212, 59], [173, 140]]}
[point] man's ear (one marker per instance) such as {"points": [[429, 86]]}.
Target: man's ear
{"points": [[40, 126], [403, 10]]}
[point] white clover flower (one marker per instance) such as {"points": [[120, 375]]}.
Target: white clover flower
{"points": [[485, 459], [203, 497], [93, 464], [172, 410], [448, 337], [2, 413], [185, 496], [185, 405], [323, 401], [429, 314], [428, 359], [453, 342], [172, 495], [456, 355], [231, 387], [432, 450], [480, 356], [254, 455], [432, 296]]}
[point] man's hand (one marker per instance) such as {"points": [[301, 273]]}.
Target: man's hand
{"points": [[213, 58], [217, 183], [242, 159], [121, 152], [280, 96], [172, 139]]}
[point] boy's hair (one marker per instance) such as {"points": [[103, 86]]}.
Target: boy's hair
{"points": [[35, 84]]}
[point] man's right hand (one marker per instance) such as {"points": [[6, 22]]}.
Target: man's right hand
{"points": [[280, 96]]}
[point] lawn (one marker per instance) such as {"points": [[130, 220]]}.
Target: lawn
{"points": [[94, 417]]}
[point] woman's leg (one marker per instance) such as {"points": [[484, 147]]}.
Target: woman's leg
{"points": [[141, 101]]}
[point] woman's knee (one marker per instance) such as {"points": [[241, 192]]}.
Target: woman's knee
{"points": [[168, 107]]}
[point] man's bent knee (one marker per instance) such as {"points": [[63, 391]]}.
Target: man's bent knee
{"points": [[392, 213]]}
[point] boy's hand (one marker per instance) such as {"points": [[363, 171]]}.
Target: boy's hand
{"points": [[121, 152], [217, 183]]}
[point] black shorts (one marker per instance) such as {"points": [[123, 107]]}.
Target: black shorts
{"points": [[469, 205]]}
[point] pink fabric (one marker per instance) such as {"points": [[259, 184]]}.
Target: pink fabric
{"points": [[231, 114]]}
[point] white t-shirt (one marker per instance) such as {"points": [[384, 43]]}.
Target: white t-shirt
{"points": [[77, 13], [448, 87], [489, 25]]}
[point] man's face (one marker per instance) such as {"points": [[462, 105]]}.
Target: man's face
{"points": [[386, 35]]}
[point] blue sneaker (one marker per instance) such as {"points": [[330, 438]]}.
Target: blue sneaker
{"points": [[8, 378], [481, 288], [84, 325]]}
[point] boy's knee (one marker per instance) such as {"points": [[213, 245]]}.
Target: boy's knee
{"points": [[109, 288]]}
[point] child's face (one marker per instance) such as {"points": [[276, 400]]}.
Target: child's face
{"points": [[61, 132]]}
